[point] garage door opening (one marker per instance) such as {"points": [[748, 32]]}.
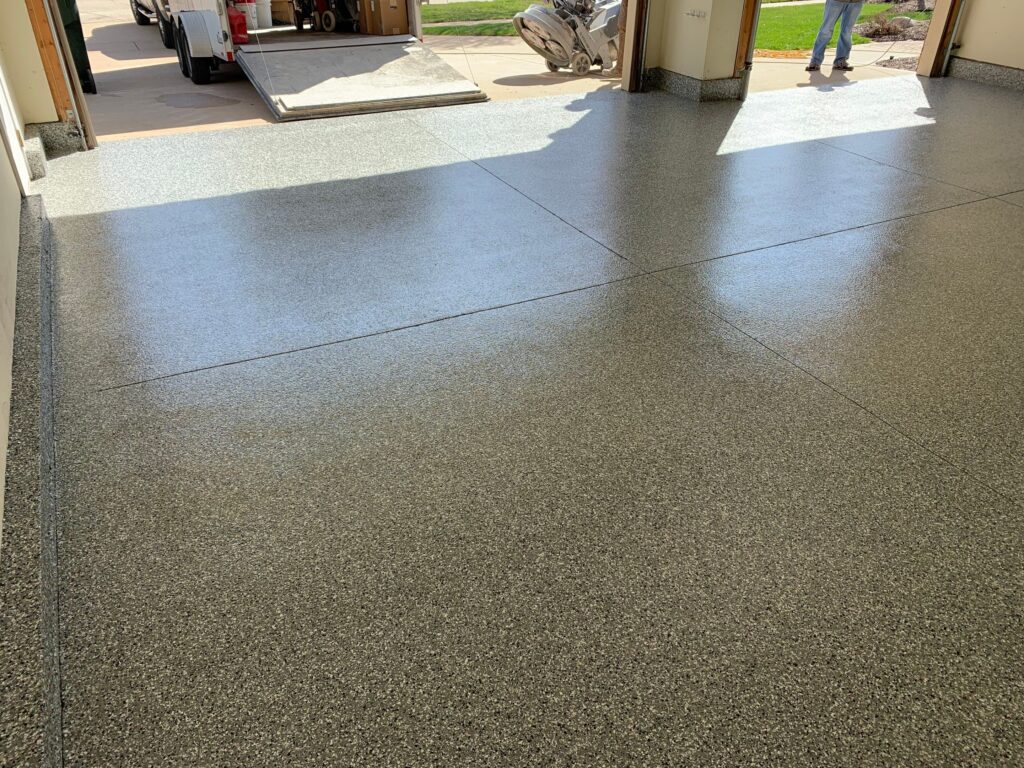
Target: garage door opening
{"points": [[429, 54]]}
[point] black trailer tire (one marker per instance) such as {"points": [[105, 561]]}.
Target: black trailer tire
{"points": [[179, 44], [166, 28], [140, 18], [199, 69], [195, 68]]}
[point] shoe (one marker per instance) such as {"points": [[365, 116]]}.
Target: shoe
{"points": [[842, 65], [812, 67]]}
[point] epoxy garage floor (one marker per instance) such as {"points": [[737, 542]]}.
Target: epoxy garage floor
{"points": [[606, 430]]}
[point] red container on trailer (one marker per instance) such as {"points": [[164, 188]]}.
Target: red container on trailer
{"points": [[236, 21]]}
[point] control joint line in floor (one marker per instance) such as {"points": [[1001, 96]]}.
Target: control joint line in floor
{"points": [[822, 234], [518, 191], [49, 512], [948, 462], [373, 334], [726, 255], [825, 142], [432, 321]]}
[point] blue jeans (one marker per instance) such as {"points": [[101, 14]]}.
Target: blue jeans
{"points": [[846, 14]]}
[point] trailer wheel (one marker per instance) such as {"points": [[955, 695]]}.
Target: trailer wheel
{"points": [[316, 23], [166, 30], [178, 45], [140, 18], [199, 69], [195, 68], [329, 21]]}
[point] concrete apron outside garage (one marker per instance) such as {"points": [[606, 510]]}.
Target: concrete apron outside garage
{"points": [[451, 448], [140, 88], [142, 92], [774, 73], [310, 74]]}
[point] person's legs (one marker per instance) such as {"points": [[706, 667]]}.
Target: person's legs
{"points": [[848, 18], [833, 10]]}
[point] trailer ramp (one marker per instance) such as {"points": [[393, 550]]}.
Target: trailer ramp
{"points": [[324, 77]]}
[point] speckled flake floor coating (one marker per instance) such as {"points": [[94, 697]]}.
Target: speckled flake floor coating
{"points": [[393, 455]]}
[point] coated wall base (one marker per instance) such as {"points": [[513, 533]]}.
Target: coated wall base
{"points": [[983, 72], [692, 88]]}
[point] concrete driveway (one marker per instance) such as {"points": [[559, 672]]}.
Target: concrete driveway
{"points": [[141, 91]]}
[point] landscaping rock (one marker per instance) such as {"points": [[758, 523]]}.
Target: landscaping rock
{"points": [[909, 6], [901, 21], [903, 62], [883, 30]]}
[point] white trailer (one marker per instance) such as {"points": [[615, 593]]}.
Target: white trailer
{"points": [[301, 74]]}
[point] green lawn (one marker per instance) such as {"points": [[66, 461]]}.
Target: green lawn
{"points": [[780, 29], [493, 29], [479, 11], [494, 9], [794, 29]]}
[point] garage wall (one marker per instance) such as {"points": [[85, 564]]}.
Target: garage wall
{"points": [[10, 212], [991, 31], [723, 39], [12, 126], [695, 38], [683, 37], [655, 24], [25, 74]]}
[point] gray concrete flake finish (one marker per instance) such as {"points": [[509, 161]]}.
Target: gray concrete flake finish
{"points": [[665, 182], [603, 528], [672, 194], [27, 680], [976, 140], [199, 166], [173, 286], [600, 529], [920, 320]]}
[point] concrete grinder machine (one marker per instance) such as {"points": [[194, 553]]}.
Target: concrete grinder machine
{"points": [[573, 34]]}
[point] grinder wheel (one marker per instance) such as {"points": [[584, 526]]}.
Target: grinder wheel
{"points": [[580, 64]]}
